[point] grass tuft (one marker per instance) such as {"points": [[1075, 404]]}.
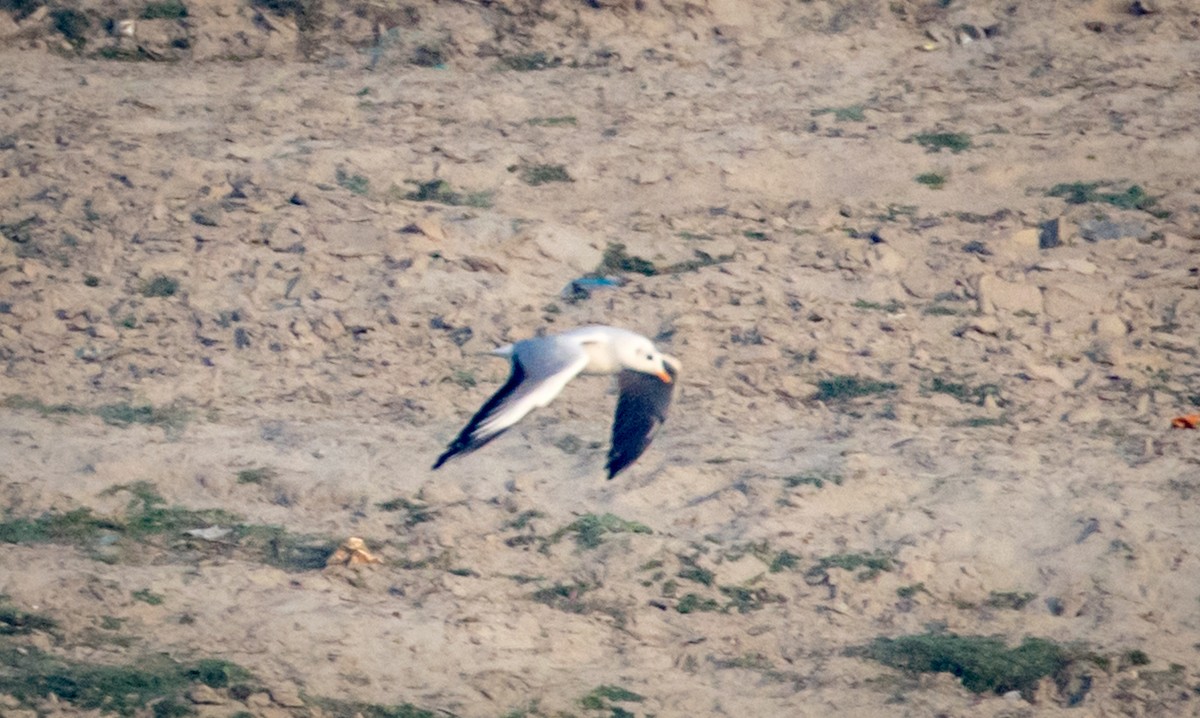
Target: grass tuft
{"points": [[149, 597], [535, 175], [965, 393], [415, 512], [564, 597], [844, 388], [352, 709], [151, 686], [937, 141], [589, 529], [617, 261], [601, 698], [160, 286], [984, 663], [260, 475], [932, 180], [170, 418], [15, 622], [1012, 600], [1133, 197], [894, 306], [812, 479], [441, 192], [148, 516], [850, 113], [529, 62], [872, 564], [694, 603], [165, 10], [73, 24], [556, 121], [354, 183]]}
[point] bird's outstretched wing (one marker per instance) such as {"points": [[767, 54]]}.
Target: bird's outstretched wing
{"points": [[641, 408], [540, 370]]}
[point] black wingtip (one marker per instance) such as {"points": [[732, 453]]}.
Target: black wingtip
{"points": [[466, 442]]}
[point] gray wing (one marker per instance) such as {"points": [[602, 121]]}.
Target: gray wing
{"points": [[540, 370], [641, 410]]}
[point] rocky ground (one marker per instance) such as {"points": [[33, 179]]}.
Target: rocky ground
{"points": [[932, 272]]}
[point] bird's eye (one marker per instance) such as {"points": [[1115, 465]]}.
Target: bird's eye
{"points": [[649, 357]]}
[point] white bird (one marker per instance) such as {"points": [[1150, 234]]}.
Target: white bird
{"points": [[542, 366]]}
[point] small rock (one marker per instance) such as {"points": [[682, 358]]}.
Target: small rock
{"points": [[210, 533], [1086, 415], [103, 331], [1049, 373], [1137, 8], [887, 260], [1062, 304], [986, 325], [1012, 696], [1049, 234], [287, 696], [1110, 326], [1094, 230], [1025, 239], [205, 695], [996, 294], [431, 228], [258, 700]]}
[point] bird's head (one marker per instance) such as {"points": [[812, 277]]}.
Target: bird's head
{"points": [[642, 356]]}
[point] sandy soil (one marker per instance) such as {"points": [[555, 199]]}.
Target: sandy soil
{"points": [[316, 323]]}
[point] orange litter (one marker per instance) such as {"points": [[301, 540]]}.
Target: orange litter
{"points": [[353, 551], [1191, 421]]}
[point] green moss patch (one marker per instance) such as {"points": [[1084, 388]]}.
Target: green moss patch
{"points": [[937, 141], [868, 565], [844, 388], [590, 529], [1132, 197], [441, 192], [984, 663], [124, 537], [158, 683]]}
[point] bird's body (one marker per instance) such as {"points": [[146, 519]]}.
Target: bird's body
{"points": [[542, 366]]}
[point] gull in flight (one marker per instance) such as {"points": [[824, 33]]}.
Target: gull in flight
{"points": [[542, 366]]}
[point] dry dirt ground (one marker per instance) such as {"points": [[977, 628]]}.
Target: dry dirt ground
{"points": [[932, 272]]}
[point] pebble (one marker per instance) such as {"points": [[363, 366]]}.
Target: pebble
{"points": [[986, 325], [258, 700], [1110, 326], [287, 696], [1026, 239], [1086, 415], [1094, 230], [205, 695], [996, 294], [1049, 373], [1049, 234]]}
